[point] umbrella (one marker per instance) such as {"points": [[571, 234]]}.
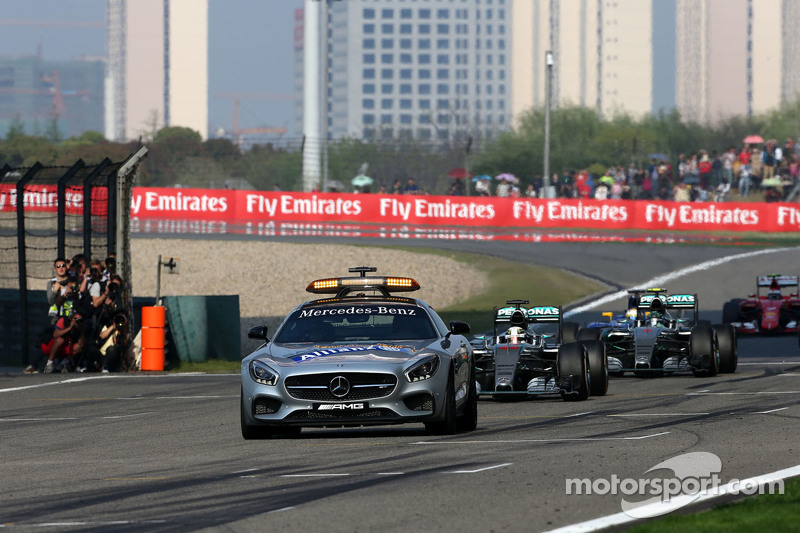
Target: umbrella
{"points": [[459, 173], [361, 180], [511, 178], [753, 139], [771, 182], [608, 180], [660, 157], [335, 185], [482, 177]]}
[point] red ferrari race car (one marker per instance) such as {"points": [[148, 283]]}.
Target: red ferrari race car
{"points": [[774, 308]]}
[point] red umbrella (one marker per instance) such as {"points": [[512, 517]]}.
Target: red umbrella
{"points": [[459, 173], [753, 139]]}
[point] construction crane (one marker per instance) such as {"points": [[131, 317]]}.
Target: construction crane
{"points": [[54, 89], [239, 133]]}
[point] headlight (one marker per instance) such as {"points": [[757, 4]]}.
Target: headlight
{"points": [[423, 369], [262, 374]]}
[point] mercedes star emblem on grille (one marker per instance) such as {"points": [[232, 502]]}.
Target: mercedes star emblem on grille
{"points": [[339, 386]]}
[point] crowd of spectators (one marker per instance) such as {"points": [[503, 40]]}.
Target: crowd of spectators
{"points": [[88, 326]]}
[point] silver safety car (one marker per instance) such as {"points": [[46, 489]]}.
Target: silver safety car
{"points": [[361, 355]]}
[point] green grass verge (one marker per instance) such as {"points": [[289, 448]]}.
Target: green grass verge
{"points": [[768, 512]]}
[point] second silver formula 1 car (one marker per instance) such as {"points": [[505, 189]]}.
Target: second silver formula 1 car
{"points": [[661, 333]]}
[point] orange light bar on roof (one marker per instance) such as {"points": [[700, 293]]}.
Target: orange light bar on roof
{"points": [[391, 284]]}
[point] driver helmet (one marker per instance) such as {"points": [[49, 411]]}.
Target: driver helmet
{"points": [[631, 314], [515, 335], [655, 318]]}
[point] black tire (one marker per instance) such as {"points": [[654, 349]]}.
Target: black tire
{"points": [[598, 367], [728, 349], [468, 421], [703, 348], [569, 332], [252, 432], [589, 334], [448, 425], [730, 311], [572, 362]]}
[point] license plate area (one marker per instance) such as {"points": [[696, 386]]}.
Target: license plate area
{"points": [[341, 407]]}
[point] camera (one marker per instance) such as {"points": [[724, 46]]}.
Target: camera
{"points": [[113, 287], [120, 319], [63, 282]]}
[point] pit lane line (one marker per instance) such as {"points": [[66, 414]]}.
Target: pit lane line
{"points": [[670, 276]]}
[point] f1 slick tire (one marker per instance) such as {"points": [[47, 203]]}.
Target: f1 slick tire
{"points": [[598, 367], [730, 311], [704, 350], [572, 362], [569, 332], [589, 334], [728, 349]]}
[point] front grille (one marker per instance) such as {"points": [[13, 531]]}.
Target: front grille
{"points": [[336, 415], [363, 386], [266, 406]]}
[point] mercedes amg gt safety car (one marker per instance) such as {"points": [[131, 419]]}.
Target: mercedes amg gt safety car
{"points": [[660, 333], [533, 352], [364, 354], [773, 308]]}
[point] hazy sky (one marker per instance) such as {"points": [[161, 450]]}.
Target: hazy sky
{"points": [[250, 49]]}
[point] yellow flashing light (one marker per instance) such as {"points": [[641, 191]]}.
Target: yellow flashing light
{"points": [[333, 285]]}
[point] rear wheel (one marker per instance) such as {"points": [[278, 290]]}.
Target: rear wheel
{"points": [[704, 351], [728, 350], [569, 332], [447, 426], [589, 334], [598, 367], [572, 362], [252, 432], [730, 311]]}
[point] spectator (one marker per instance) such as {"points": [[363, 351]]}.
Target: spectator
{"points": [[482, 187], [755, 166], [503, 189], [530, 191], [66, 343], [601, 192], [538, 184], [728, 159], [704, 171], [411, 187], [680, 193], [768, 161], [397, 187], [56, 287], [744, 181]]}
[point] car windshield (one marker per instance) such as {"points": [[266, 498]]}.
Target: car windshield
{"points": [[356, 322]]}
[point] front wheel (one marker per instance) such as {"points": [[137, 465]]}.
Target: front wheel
{"points": [[447, 426], [468, 421], [598, 367], [252, 432], [728, 350], [704, 352], [572, 364]]}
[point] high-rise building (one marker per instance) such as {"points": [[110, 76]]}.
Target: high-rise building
{"points": [[437, 70], [602, 54], [736, 57], [157, 67]]}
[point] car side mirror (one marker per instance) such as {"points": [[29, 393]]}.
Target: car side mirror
{"points": [[258, 333], [457, 327]]}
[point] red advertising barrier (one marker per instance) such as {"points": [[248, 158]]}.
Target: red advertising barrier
{"points": [[254, 207]]}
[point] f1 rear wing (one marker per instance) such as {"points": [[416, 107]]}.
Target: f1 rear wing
{"points": [[532, 314], [671, 301], [781, 279]]}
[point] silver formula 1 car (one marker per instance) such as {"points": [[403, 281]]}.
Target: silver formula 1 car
{"points": [[362, 355], [533, 352], [660, 333]]}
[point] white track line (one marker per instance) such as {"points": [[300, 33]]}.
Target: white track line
{"points": [[669, 276], [479, 469], [541, 440], [621, 518]]}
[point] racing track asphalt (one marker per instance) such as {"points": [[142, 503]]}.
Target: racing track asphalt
{"points": [[164, 453]]}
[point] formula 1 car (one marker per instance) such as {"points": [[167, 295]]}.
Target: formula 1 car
{"points": [[362, 355], [533, 352], [773, 312], [660, 333]]}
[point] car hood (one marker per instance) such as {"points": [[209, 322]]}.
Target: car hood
{"points": [[288, 355]]}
